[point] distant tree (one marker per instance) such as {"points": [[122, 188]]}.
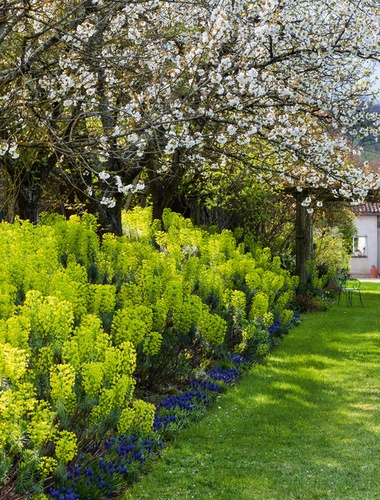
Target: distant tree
{"points": [[333, 230], [231, 197]]}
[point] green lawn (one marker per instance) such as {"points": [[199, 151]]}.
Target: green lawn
{"points": [[303, 425]]}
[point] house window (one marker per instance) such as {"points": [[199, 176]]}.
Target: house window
{"points": [[359, 246]]}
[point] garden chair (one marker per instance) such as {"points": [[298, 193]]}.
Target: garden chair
{"points": [[349, 286]]}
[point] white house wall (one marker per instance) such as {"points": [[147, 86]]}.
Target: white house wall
{"points": [[366, 226]]}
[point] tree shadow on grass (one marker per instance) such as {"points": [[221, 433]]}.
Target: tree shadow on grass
{"points": [[313, 417], [303, 425]]}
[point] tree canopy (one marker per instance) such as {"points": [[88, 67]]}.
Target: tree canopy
{"points": [[115, 96]]}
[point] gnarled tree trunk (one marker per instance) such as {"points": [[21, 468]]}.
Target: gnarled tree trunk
{"points": [[29, 183]]}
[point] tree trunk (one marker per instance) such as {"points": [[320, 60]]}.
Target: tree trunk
{"points": [[30, 184], [164, 188], [303, 242], [160, 199], [28, 199], [109, 218]]}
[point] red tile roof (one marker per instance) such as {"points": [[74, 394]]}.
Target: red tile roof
{"points": [[366, 209]]}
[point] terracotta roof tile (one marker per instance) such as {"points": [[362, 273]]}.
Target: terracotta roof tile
{"points": [[366, 209]]}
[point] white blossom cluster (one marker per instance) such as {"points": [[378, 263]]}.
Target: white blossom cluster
{"points": [[146, 85], [11, 149]]}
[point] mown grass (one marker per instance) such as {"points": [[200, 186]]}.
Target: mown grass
{"points": [[303, 425]]}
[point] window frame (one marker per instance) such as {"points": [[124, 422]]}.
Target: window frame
{"points": [[361, 250]]}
